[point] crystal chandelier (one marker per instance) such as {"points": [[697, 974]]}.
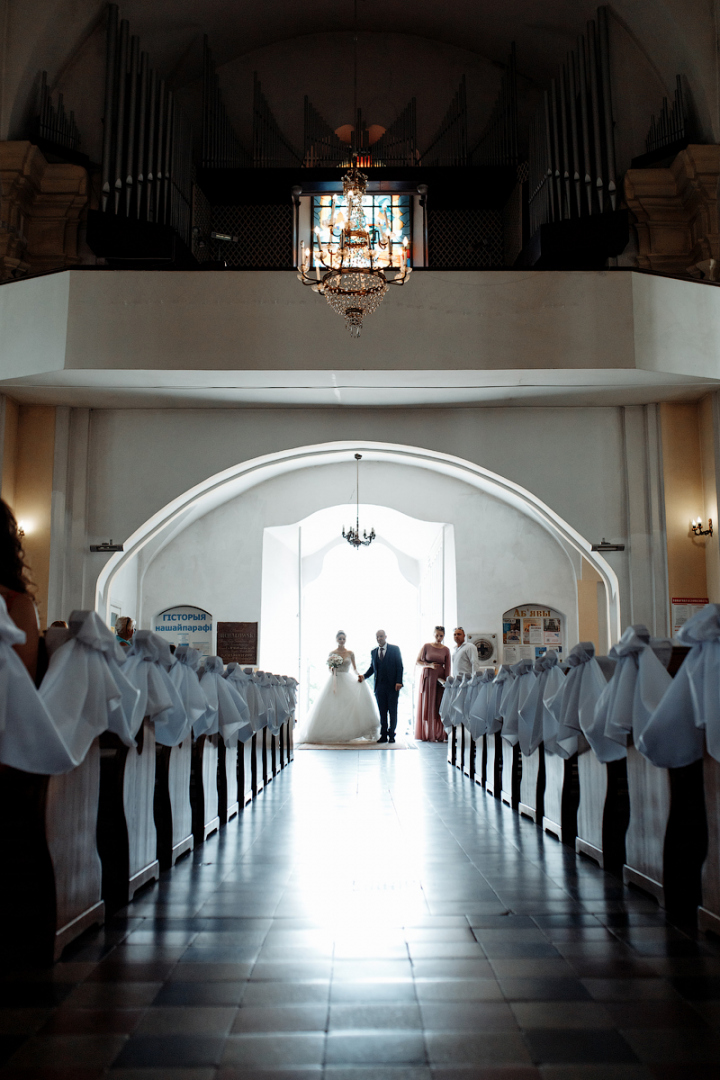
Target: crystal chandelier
{"points": [[353, 535], [352, 261]]}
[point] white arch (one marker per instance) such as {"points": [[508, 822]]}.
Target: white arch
{"points": [[232, 482]]}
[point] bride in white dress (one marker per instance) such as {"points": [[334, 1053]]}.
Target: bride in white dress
{"points": [[345, 710]]}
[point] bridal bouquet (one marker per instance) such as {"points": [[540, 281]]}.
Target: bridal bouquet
{"points": [[334, 661]]}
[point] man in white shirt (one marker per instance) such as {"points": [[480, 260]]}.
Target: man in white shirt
{"points": [[465, 658]]}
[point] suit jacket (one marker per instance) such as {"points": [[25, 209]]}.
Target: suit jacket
{"points": [[388, 672]]}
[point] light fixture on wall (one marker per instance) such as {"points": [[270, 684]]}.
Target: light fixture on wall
{"points": [[698, 530], [352, 259], [353, 535], [23, 527]]}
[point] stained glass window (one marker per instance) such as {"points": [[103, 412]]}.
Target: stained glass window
{"points": [[396, 208]]}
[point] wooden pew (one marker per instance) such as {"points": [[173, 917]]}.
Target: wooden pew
{"points": [[71, 813], [273, 763], [274, 754], [493, 768], [53, 884], [27, 900], [258, 769], [227, 781], [291, 739], [452, 745], [126, 833], [709, 910], [649, 790], [173, 811], [510, 774], [459, 747], [246, 757], [561, 798], [204, 787], [666, 841], [468, 762], [532, 785], [686, 843], [480, 760], [603, 811], [266, 769]]}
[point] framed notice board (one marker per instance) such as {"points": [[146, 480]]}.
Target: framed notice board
{"points": [[530, 630], [237, 641]]}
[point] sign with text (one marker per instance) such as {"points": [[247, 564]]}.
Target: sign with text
{"points": [[684, 607], [237, 642], [529, 631], [185, 625]]}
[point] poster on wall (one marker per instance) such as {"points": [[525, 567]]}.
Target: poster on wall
{"points": [[237, 643], [529, 631], [683, 608], [186, 625]]}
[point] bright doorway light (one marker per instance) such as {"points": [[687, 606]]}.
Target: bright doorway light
{"points": [[315, 584], [360, 592]]}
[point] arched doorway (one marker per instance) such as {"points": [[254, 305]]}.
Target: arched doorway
{"points": [[314, 584], [127, 570]]}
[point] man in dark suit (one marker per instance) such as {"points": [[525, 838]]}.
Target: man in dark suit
{"points": [[386, 667]]}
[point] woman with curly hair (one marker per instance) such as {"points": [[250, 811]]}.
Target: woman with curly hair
{"points": [[16, 588]]}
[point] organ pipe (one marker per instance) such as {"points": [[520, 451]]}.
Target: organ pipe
{"points": [[499, 143], [449, 146], [571, 137], [147, 144]]}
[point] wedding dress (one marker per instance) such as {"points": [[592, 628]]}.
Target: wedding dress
{"points": [[345, 711]]}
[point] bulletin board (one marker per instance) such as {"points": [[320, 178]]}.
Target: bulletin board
{"points": [[530, 630]]}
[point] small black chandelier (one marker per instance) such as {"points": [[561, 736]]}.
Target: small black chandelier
{"points": [[353, 535]]}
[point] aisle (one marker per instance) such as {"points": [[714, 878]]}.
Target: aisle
{"points": [[374, 916]]}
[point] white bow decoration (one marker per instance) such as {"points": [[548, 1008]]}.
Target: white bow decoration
{"points": [[516, 696], [29, 737], [446, 702], [635, 690], [85, 690], [457, 709], [233, 715], [142, 670], [532, 718], [478, 712], [184, 676], [575, 709], [688, 717], [496, 699]]}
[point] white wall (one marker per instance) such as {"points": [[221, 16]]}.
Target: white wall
{"points": [[502, 557], [279, 630], [593, 466]]}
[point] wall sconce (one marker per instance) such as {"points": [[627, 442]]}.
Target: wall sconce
{"points": [[24, 527], [698, 529]]}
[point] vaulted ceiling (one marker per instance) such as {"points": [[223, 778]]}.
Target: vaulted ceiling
{"points": [[677, 35]]}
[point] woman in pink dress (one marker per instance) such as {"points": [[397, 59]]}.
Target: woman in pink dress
{"points": [[434, 659]]}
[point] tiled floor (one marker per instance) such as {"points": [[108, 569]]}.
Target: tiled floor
{"points": [[374, 917]]}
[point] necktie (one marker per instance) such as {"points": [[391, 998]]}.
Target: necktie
{"points": [[381, 654]]}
